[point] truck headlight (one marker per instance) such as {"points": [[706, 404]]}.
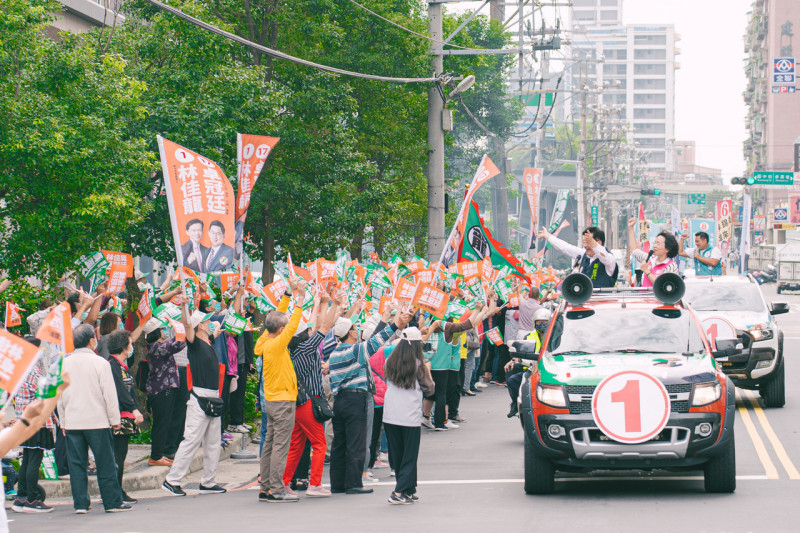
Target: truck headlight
{"points": [[761, 334], [706, 393], [552, 395]]}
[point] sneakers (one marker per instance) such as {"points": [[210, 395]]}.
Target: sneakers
{"points": [[392, 473], [18, 505], [36, 506], [227, 436], [288, 490], [127, 498], [413, 497], [283, 497], [458, 419], [366, 480], [426, 422], [397, 498], [380, 464], [451, 425], [174, 490], [213, 489], [317, 492], [481, 385], [441, 429], [160, 462], [469, 393], [121, 509], [383, 456], [238, 429], [81, 511]]}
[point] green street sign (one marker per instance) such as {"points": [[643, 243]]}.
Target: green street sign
{"points": [[772, 178], [595, 216], [699, 199]]}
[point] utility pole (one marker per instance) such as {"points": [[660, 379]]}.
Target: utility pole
{"points": [[436, 228], [499, 186], [581, 168]]}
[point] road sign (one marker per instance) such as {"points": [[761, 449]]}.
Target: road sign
{"points": [[699, 199], [595, 216], [630, 406], [780, 214], [773, 178], [783, 70], [710, 214]]}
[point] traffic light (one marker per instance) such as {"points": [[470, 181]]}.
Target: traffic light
{"points": [[743, 181], [651, 192]]}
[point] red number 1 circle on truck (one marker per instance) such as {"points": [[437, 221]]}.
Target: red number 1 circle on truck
{"points": [[630, 406]]}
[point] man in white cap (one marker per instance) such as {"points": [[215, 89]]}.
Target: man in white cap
{"points": [[202, 422], [351, 383]]}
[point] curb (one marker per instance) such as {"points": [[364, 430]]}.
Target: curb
{"points": [[140, 476]]}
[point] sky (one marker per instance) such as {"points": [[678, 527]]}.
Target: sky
{"points": [[709, 107]]}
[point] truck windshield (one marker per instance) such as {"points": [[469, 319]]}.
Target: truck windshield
{"points": [[625, 330], [724, 297]]}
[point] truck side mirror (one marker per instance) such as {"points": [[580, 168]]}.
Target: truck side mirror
{"points": [[727, 348], [779, 308]]}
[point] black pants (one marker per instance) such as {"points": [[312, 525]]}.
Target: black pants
{"points": [[163, 406], [441, 378], [120, 453], [28, 481], [462, 374], [304, 466], [79, 441], [60, 452], [453, 394], [178, 416], [226, 401], [403, 453], [514, 382], [375, 438], [503, 356], [488, 354], [236, 406], [349, 439]]}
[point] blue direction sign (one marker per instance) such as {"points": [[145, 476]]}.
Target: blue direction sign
{"points": [[783, 70], [780, 214]]}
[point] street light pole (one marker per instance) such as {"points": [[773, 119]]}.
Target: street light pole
{"points": [[436, 229], [582, 157]]}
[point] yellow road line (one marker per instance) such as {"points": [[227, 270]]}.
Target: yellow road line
{"points": [[761, 450], [783, 457]]}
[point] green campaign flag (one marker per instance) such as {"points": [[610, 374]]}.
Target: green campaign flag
{"points": [[91, 264], [503, 288], [455, 308], [48, 385], [264, 305], [167, 310], [341, 264], [396, 258], [479, 243], [424, 261], [234, 322], [403, 271]]}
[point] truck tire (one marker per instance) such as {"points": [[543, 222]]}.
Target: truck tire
{"points": [[539, 473], [774, 391], [720, 471]]}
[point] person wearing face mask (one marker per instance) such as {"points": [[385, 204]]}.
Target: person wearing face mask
{"points": [[120, 348], [88, 411], [659, 260], [516, 368]]}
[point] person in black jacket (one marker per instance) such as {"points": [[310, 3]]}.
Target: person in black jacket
{"points": [[120, 348]]}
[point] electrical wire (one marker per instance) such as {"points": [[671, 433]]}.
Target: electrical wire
{"points": [[368, 10], [281, 55], [524, 132], [469, 113]]}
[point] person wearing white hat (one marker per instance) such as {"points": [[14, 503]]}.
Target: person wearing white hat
{"points": [[407, 380], [201, 428]]}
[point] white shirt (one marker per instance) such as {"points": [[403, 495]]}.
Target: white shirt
{"points": [[605, 257]]}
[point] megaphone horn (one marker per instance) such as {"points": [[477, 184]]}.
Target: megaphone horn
{"points": [[669, 288], [577, 288]]}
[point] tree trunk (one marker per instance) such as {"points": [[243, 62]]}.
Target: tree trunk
{"points": [[268, 271], [357, 244]]}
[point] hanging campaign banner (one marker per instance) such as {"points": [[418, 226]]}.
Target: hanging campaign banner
{"points": [[251, 152], [201, 208], [559, 209], [12, 315], [644, 230], [532, 178], [724, 220], [675, 220], [744, 242], [703, 224], [56, 328], [486, 170], [17, 357], [794, 209]]}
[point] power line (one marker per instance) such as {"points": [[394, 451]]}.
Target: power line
{"points": [[281, 55], [393, 23]]}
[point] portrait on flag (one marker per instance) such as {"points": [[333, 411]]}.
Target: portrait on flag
{"points": [[201, 208]]}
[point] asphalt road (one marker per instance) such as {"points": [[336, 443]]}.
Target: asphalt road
{"points": [[471, 480]]}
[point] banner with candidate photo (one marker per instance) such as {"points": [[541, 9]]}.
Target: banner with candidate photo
{"points": [[201, 208], [252, 152]]}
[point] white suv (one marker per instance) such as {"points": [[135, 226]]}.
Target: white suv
{"points": [[739, 300]]}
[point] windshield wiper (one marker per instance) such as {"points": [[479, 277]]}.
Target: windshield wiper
{"points": [[572, 352], [631, 350]]}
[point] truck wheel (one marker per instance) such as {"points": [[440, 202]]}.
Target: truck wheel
{"points": [[720, 471], [539, 473], [774, 390]]}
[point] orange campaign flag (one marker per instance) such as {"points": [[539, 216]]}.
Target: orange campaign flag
{"points": [[228, 280], [487, 271], [252, 152], [251, 286], [425, 275], [145, 308], [116, 278], [404, 290], [382, 306], [17, 357], [274, 292], [201, 208], [119, 258], [513, 300], [180, 329], [468, 269], [495, 336], [187, 273], [57, 328], [12, 315], [326, 271], [430, 299]]}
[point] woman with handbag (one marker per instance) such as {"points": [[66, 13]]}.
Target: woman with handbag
{"points": [[408, 379], [307, 364], [120, 348]]}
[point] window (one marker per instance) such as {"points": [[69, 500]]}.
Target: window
{"points": [[650, 54], [615, 99], [657, 157], [649, 69], [652, 85], [584, 15], [648, 127], [620, 55], [584, 3], [610, 3], [608, 15], [651, 142], [650, 99], [657, 113], [650, 39], [618, 69]]}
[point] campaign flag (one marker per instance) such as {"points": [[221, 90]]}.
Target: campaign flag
{"points": [[486, 170], [116, 278], [228, 280], [404, 291], [234, 322], [478, 244], [275, 291], [724, 219], [12, 316], [532, 178], [559, 209], [430, 299], [456, 309], [17, 357], [251, 152], [513, 300], [675, 220], [495, 336], [57, 328], [326, 271], [166, 312], [644, 230], [178, 328], [201, 208], [744, 242], [145, 308], [121, 259], [91, 264], [794, 209]]}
